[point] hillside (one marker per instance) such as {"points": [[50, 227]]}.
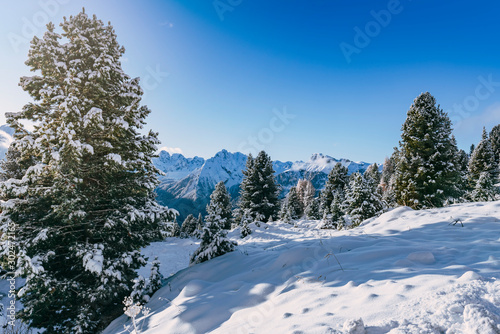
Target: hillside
{"points": [[404, 272]]}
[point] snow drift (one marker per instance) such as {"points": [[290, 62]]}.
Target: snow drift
{"points": [[404, 272]]}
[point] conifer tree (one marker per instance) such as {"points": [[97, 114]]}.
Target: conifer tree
{"points": [[484, 190], [388, 179], [305, 191], [291, 208], [361, 202], [495, 143], [336, 183], [259, 191], [85, 203], [426, 171], [336, 217], [213, 240], [188, 226], [482, 160], [312, 210], [246, 220], [373, 175], [220, 206]]}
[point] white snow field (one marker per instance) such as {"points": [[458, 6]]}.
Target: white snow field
{"points": [[404, 272]]}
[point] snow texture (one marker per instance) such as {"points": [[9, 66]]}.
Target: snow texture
{"points": [[404, 272]]}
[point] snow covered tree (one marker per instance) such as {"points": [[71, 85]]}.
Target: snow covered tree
{"points": [[291, 208], [258, 190], [484, 190], [463, 169], [373, 175], [220, 206], [12, 167], [175, 229], [155, 278], [361, 202], [86, 204], [426, 173], [198, 232], [246, 220], [337, 182], [482, 160], [305, 191], [188, 226], [388, 179], [336, 217], [495, 143], [312, 210], [213, 240]]}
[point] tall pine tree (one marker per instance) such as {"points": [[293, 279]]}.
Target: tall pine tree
{"points": [[213, 239], [362, 200], [258, 190], [495, 143], [336, 183], [86, 203], [426, 173]]}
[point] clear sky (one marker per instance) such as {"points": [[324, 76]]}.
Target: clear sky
{"points": [[291, 77]]}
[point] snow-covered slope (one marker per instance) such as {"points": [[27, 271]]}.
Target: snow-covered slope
{"points": [[404, 272], [189, 182]]}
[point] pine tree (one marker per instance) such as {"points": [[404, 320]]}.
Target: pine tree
{"points": [[336, 183], [495, 143], [426, 171], [259, 191], [336, 217], [291, 208], [86, 204], [12, 167], [388, 179], [305, 191], [155, 278], [312, 210], [220, 206], [463, 168], [246, 220], [361, 202], [213, 240], [482, 160], [373, 175], [188, 226], [175, 229], [484, 190]]}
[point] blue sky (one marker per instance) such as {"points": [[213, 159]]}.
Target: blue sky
{"points": [[290, 77]]}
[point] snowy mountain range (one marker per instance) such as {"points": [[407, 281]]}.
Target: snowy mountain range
{"points": [[188, 182]]}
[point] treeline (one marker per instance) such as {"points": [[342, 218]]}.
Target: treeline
{"points": [[426, 170]]}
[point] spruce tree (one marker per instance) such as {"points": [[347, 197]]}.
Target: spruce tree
{"points": [[305, 191], [482, 160], [373, 175], [336, 217], [388, 179], [483, 171], [291, 208], [188, 226], [259, 191], [213, 240], [86, 203], [312, 210], [361, 202], [495, 143], [220, 206], [426, 173], [336, 183], [484, 189]]}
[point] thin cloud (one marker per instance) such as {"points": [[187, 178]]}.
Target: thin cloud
{"points": [[171, 150]]}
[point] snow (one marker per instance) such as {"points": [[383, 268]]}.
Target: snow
{"points": [[404, 272]]}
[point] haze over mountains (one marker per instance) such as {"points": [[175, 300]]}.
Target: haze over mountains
{"points": [[188, 182]]}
